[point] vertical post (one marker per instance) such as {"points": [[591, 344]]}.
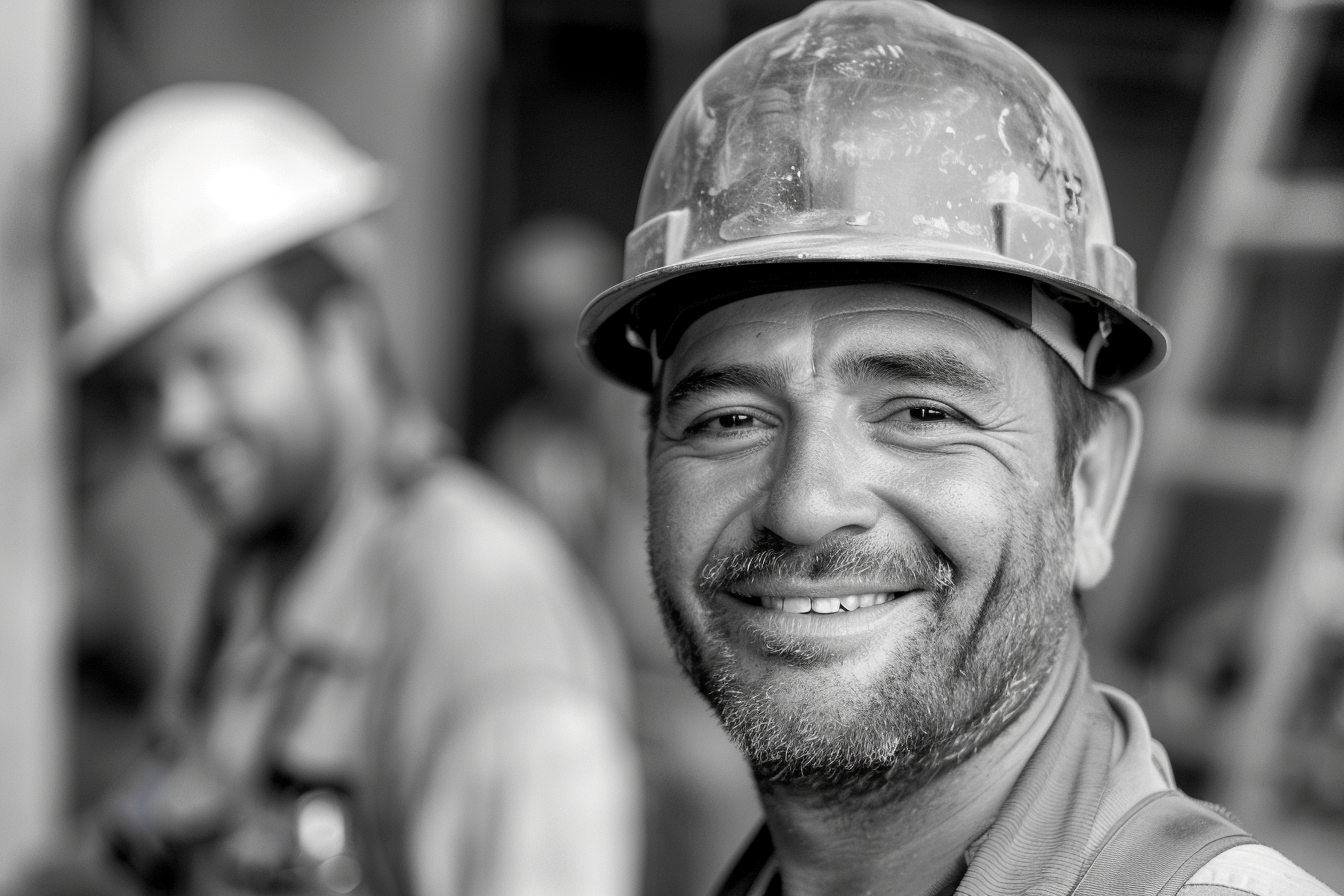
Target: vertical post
{"points": [[37, 39]]}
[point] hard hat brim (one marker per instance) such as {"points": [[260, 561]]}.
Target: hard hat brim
{"points": [[1138, 344]]}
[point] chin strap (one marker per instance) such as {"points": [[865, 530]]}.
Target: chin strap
{"points": [[655, 360], [1052, 322], [1099, 341]]}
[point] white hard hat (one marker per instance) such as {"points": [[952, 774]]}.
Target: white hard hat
{"points": [[191, 185]]}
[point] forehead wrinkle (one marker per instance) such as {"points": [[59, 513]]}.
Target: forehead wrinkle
{"points": [[766, 377], [924, 366]]}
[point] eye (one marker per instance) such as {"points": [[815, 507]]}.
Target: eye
{"points": [[923, 414], [213, 360], [718, 424], [733, 421], [915, 415], [132, 390], [725, 427]]}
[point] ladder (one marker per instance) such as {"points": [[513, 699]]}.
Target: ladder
{"points": [[1233, 204]]}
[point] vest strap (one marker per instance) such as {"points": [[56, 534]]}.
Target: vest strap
{"points": [[1158, 846]]}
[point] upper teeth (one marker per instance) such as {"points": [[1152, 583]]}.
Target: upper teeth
{"points": [[825, 604]]}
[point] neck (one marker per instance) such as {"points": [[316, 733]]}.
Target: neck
{"points": [[915, 845]]}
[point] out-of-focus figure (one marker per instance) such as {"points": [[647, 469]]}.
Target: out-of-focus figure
{"points": [[572, 447], [401, 683]]}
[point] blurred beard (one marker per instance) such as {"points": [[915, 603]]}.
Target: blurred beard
{"points": [[929, 710]]}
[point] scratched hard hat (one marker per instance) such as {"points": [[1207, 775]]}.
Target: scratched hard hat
{"points": [[860, 133]]}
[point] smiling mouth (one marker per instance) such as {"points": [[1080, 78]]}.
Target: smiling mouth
{"points": [[820, 605]]}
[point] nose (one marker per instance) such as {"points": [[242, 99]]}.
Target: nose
{"points": [[186, 412], [817, 487]]}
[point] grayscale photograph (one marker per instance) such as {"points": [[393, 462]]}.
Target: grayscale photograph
{"points": [[672, 447]]}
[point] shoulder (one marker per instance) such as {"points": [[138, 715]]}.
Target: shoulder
{"points": [[1253, 870], [486, 584], [457, 497], [461, 534]]}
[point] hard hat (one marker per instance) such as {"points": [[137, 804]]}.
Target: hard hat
{"points": [[872, 140], [191, 185]]}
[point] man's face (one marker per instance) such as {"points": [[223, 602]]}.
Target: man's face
{"points": [[238, 406], [858, 535]]}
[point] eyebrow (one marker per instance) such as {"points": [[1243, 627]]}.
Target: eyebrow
{"points": [[934, 367], [731, 376]]}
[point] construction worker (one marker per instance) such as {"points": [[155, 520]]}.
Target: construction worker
{"points": [[401, 684], [875, 298]]}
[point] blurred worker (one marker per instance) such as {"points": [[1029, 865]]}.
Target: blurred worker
{"points": [[874, 293], [401, 684], [574, 447]]}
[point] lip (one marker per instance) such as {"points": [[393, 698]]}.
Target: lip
{"points": [[822, 604], [830, 627], [209, 478], [811, 589], [219, 462]]}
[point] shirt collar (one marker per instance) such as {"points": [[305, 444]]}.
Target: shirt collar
{"points": [[330, 608]]}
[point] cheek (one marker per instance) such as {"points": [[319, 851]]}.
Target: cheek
{"points": [[678, 524], [970, 507], [281, 404], [696, 509]]}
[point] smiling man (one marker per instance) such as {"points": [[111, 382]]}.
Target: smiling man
{"points": [[875, 298]]}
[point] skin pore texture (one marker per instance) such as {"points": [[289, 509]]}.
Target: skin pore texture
{"points": [[866, 562], [261, 416]]}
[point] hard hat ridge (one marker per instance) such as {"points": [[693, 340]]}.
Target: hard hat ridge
{"points": [[193, 184], [887, 137]]}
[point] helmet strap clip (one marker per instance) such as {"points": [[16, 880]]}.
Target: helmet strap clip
{"points": [[655, 360], [1100, 340]]}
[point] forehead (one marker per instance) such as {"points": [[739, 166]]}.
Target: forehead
{"points": [[809, 328], [236, 311]]}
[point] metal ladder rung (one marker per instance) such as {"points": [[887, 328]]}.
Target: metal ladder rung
{"points": [[1305, 213]]}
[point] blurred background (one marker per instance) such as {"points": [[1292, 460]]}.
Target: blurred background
{"points": [[520, 130]]}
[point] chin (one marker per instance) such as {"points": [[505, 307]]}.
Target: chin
{"points": [[237, 527], [874, 723]]}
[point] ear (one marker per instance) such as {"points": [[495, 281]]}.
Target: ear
{"points": [[1101, 480]]}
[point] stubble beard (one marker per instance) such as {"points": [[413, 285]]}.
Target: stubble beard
{"points": [[928, 710]]}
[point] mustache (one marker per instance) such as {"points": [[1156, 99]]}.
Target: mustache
{"points": [[771, 558]]}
